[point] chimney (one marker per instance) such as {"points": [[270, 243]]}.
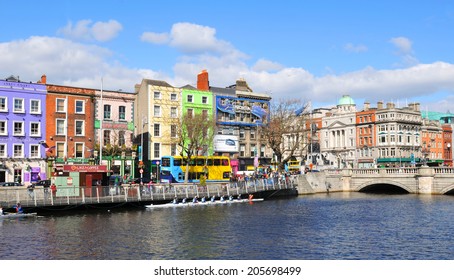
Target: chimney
{"points": [[379, 105], [366, 106], [202, 81], [43, 79]]}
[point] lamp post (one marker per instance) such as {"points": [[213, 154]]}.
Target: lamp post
{"points": [[144, 122]]}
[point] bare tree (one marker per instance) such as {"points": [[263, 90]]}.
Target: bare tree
{"points": [[195, 136], [285, 132]]}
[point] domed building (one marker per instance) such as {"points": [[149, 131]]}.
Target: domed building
{"points": [[346, 104]]}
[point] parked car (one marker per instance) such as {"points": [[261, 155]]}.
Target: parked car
{"points": [[43, 183], [10, 184]]}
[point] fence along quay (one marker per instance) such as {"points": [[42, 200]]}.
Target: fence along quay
{"points": [[72, 197]]}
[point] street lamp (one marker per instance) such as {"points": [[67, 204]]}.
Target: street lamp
{"points": [[144, 122]]}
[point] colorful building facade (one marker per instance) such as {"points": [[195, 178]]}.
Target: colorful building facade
{"points": [[22, 131]]}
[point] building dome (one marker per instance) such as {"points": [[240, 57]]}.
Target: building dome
{"points": [[346, 100]]}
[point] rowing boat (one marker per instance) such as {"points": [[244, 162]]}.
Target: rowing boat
{"points": [[17, 215], [216, 202]]}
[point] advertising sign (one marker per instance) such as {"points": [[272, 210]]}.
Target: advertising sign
{"points": [[226, 143]]}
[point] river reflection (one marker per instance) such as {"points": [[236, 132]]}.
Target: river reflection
{"points": [[333, 226]]}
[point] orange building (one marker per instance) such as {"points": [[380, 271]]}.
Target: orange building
{"points": [[365, 132], [447, 144], [69, 123]]}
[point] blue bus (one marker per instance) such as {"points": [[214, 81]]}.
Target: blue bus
{"points": [[215, 168]]}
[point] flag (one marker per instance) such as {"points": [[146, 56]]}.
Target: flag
{"points": [[88, 149], [50, 149]]}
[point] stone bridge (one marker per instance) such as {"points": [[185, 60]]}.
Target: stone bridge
{"points": [[421, 180]]}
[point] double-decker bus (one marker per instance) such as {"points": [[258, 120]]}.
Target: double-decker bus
{"points": [[293, 166], [216, 168]]}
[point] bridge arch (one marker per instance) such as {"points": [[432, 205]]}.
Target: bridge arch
{"points": [[384, 186], [449, 190]]}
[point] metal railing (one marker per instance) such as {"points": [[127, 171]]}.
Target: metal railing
{"points": [[72, 195]]}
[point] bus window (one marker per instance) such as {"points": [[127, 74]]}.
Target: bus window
{"points": [[209, 162], [165, 162], [216, 162], [225, 162], [177, 162], [192, 162], [200, 162]]}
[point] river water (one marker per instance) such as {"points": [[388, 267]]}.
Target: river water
{"points": [[335, 226]]}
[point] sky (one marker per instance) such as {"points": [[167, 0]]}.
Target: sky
{"points": [[313, 51]]}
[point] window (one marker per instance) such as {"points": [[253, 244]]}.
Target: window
{"points": [[106, 137], [121, 138], [34, 151], [157, 152], [18, 105], [205, 114], [173, 149], [80, 126], [61, 127], [3, 128], [173, 96], [61, 105], [262, 151], [253, 150], [2, 150], [61, 149], [107, 112], [157, 111], [252, 134], [122, 113], [173, 112], [204, 99], [3, 104], [173, 131], [242, 150], [156, 129], [80, 107], [190, 113], [18, 129], [241, 133], [18, 150], [79, 150], [35, 129], [35, 106], [157, 95], [190, 98]]}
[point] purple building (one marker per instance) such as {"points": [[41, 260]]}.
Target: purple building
{"points": [[22, 131]]}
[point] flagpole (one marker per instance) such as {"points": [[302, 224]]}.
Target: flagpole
{"points": [[100, 128]]}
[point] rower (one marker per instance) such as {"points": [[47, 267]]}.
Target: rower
{"points": [[184, 200], [239, 197], [213, 198], [203, 199], [195, 200], [222, 198], [231, 197], [175, 200]]}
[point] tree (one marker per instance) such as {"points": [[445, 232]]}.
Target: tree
{"points": [[195, 136], [286, 132]]}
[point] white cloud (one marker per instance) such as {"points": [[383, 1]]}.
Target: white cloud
{"points": [[155, 38], [86, 31], [266, 65], [404, 51], [355, 48], [193, 39], [404, 45]]}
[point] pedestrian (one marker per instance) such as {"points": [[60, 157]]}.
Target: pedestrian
{"points": [[53, 189]]}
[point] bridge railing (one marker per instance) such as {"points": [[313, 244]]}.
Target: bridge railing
{"points": [[71, 195]]}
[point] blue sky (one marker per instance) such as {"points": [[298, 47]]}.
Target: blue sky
{"points": [[391, 51]]}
